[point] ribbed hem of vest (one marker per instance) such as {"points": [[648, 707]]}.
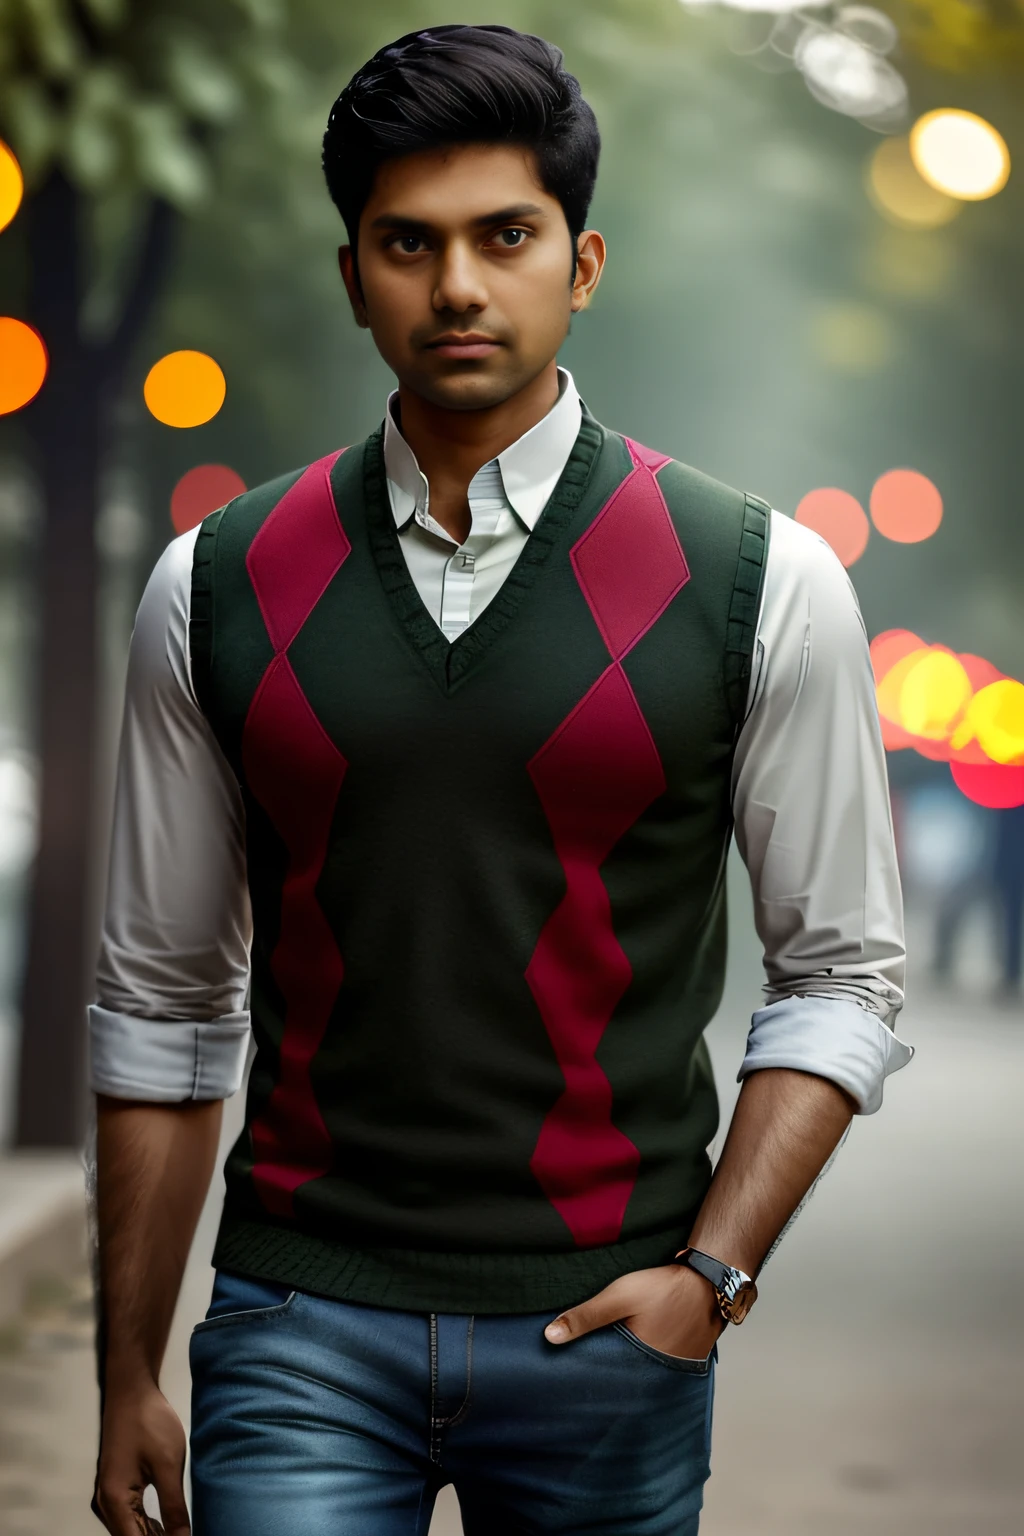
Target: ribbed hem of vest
{"points": [[746, 602], [418, 1281]]}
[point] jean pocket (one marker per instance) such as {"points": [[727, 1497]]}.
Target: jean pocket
{"points": [[245, 1299], [673, 1362]]}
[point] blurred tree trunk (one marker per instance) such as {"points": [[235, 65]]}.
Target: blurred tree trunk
{"points": [[70, 427]]}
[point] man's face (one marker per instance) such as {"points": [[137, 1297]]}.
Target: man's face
{"points": [[464, 243]]}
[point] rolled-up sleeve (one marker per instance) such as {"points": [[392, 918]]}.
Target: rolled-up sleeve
{"points": [[813, 825], [169, 1021]]}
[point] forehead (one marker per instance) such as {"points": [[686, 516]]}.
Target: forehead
{"points": [[453, 186]]}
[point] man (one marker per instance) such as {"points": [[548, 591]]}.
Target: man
{"points": [[445, 737]]}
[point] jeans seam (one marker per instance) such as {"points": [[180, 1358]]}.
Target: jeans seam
{"points": [[464, 1406], [435, 1423]]}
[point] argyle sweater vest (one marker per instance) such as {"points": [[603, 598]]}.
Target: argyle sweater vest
{"points": [[487, 878]]}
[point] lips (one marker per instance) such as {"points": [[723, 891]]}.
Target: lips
{"points": [[467, 346]]}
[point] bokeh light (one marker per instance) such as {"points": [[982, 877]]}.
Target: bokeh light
{"points": [[905, 506], [23, 364], [990, 784], [890, 686], [839, 518], [12, 186], [887, 649], [891, 646], [900, 192], [963, 744], [950, 707], [202, 491], [960, 154], [185, 389], [933, 695], [847, 75], [995, 718]]}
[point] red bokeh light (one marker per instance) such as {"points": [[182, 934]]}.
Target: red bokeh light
{"points": [[839, 518], [202, 491], [990, 784], [905, 506]]}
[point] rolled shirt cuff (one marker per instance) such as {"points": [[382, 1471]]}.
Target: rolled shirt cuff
{"points": [[831, 1037], [165, 1061]]}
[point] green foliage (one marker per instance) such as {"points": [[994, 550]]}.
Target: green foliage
{"points": [[959, 36], [123, 94]]}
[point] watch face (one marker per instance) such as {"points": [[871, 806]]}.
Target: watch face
{"points": [[742, 1302]]}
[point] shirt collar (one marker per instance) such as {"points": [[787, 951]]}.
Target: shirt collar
{"points": [[530, 467]]}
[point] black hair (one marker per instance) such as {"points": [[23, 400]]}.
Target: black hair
{"points": [[462, 85]]}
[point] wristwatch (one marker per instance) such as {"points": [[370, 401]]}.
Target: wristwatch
{"points": [[736, 1291]]}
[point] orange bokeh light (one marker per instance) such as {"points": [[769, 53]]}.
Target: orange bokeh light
{"points": [[185, 389], [905, 506], [12, 185], [839, 518], [202, 491], [23, 364]]}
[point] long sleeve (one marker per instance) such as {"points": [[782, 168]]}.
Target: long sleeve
{"points": [[814, 828], [169, 1022]]}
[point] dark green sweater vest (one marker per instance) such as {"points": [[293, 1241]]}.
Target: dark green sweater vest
{"points": [[487, 878]]}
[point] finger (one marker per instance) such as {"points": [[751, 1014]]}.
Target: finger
{"points": [[168, 1482], [121, 1511], [601, 1309]]}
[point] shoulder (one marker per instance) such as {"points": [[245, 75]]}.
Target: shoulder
{"points": [[159, 644], [805, 577], [234, 526], [251, 506], [166, 592]]}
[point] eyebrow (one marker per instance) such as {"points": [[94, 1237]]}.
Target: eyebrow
{"points": [[421, 226]]}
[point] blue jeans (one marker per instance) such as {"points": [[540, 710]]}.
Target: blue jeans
{"points": [[330, 1418]]}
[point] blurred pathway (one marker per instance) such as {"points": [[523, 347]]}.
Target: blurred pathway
{"points": [[879, 1383]]}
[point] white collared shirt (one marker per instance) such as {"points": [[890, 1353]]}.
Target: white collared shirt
{"points": [[810, 803], [506, 497]]}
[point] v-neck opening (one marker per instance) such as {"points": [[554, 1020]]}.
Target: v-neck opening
{"points": [[448, 661]]}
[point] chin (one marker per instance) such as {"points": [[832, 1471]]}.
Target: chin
{"points": [[468, 391]]}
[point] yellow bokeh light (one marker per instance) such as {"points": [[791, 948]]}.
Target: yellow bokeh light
{"points": [[996, 717], [901, 193], [960, 154], [890, 685], [12, 186], [933, 694], [185, 389]]}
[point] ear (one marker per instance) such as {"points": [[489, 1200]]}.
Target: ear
{"points": [[353, 287], [591, 252]]}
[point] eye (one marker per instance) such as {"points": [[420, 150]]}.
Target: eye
{"points": [[516, 238], [407, 244]]}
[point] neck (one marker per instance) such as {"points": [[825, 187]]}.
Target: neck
{"points": [[450, 446]]}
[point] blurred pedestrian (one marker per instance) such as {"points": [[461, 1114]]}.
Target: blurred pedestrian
{"points": [[1008, 870]]}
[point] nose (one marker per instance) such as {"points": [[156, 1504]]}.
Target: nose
{"points": [[460, 282]]}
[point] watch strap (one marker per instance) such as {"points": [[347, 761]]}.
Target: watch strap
{"points": [[712, 1269], [728, 1282]]}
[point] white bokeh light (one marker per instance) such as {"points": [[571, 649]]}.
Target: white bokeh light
{"points": [[848, 77], [771, 7]]}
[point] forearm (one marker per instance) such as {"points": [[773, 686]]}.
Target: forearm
{"points": [[154, 1163], [784, 1129]]}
